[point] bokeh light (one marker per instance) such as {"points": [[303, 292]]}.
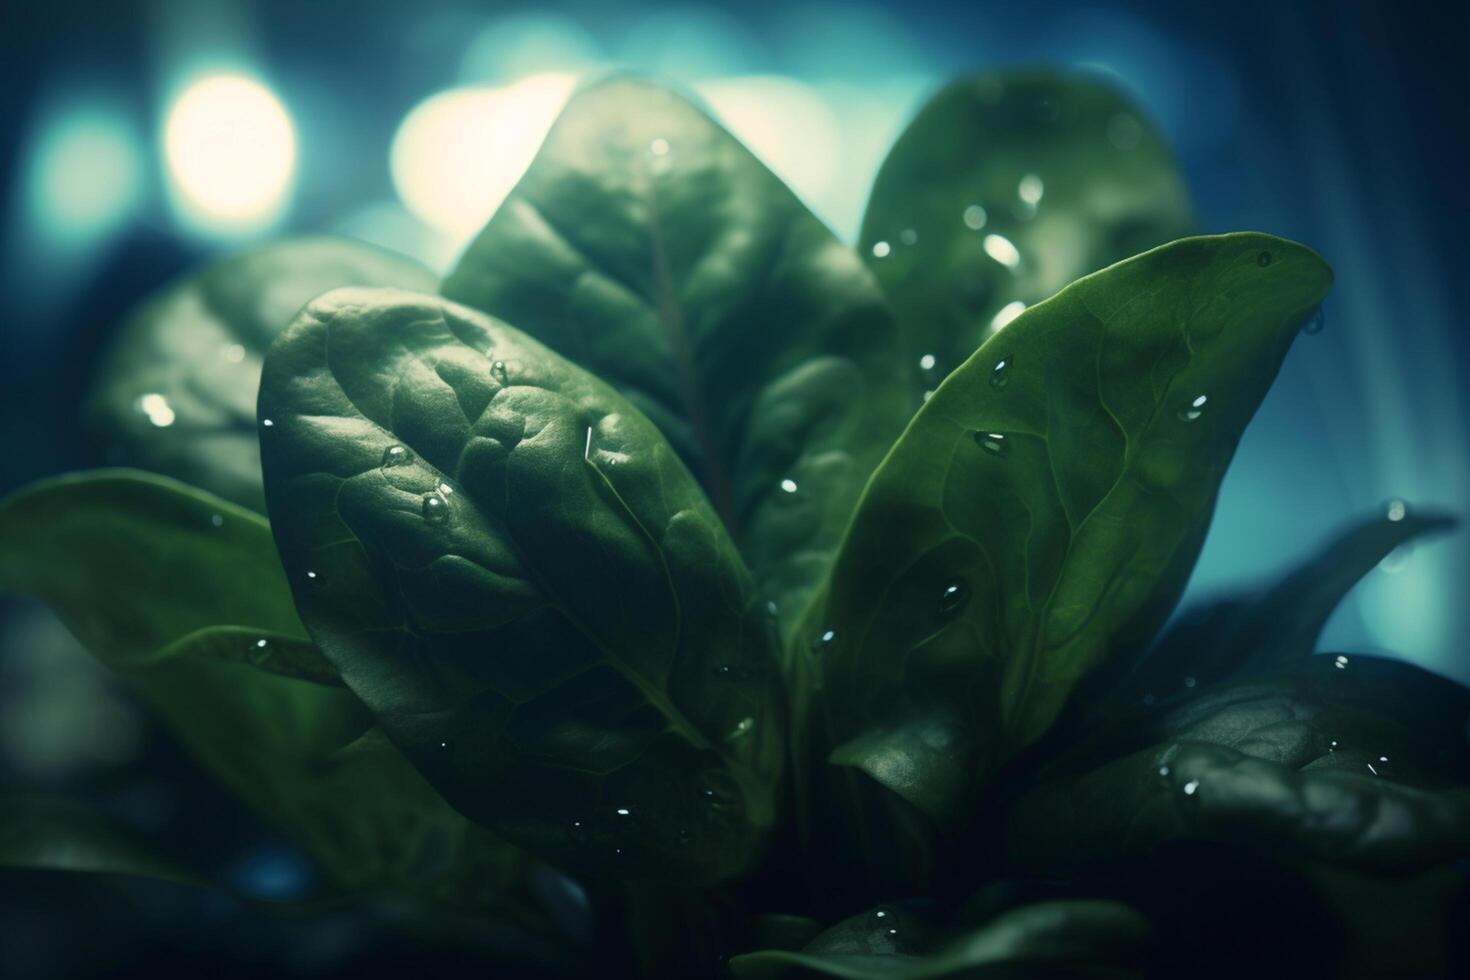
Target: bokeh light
{"points": [[85, 173], [230, 149], [459, 153]]}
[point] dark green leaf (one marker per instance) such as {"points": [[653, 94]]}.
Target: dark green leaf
{"points": [[1046, 506], [1005, 188], [55, 834], [1062, 938], [141, 568], [1248, 634], [509, 564], [176, 390], [1356, 761], [649, 246]]}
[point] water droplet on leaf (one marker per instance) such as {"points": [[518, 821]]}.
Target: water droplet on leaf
{"points": [[926, 363], [824, 640], [436, 508], [1264, 259], [1340, 662], [993, 443], [396, 456], [498, 369], [881, 250], [1003, 250], [1191, 787], [1396, 510], [954, 596], [1000, 374], [788, 485], [1194, 409], [741, 729], [579, 832]]}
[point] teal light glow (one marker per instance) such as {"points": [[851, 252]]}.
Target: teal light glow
{"points": [[85, 173]]}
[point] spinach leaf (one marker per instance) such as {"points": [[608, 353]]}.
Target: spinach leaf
{"points": [[56, 834], [1005, 188], [1355, 761], [512, 568], [1045, 506], [176, 389], [1058, 938], [1247, 634], [646, 244], [140, 568]]}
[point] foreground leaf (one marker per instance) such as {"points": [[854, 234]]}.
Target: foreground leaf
{"points": [[1243, 635], [1046, 506], [646, 244], [55, 834], [509, 564], [142, 569], [1355, 761], [1005, 188], [1061, 938], [176, 390]]}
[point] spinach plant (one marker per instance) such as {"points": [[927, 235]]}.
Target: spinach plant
{"points": [[808, 606]]}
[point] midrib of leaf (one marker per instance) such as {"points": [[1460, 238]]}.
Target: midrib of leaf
{"points": [[671, 318]]}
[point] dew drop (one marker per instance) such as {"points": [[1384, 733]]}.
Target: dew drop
{"points": [[908, 237], [445, 746], [1001, 373], [1316, 323], [579, 832], [261, 644], [880, 914], [218, 520], [623, 811], [1264, 259], [742, 728], [312, 576], [954, 596], [267, 423], [436, 508], [881, 250], [771, 607], [1191, 787], [1194, 409], [498, 369], [396, 456], [928, 393], [993, 443], [1396, 510], [1164, 771], [927, 362], [824, 641], [974, 217], [1340, 662], [1332, 746], [1371, 769], [788, 485]]}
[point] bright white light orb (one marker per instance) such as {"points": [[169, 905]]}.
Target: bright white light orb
{"points": [[458, 154], [231, 152], [85, 173]]}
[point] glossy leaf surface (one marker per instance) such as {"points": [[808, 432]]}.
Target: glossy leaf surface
{"points": [[176, 390], [647, 245], [512, 568], [1351, 760], [1046, 506], [1005, 188]]}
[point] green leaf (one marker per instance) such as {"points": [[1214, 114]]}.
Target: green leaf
{"points": [[511, 567], [1247, 634], [646, 244], [1005, 188], [55, 834], [1046, 506], [1060, 938], [176, 390], [1355, 761], [141, 568], [133, 562]]}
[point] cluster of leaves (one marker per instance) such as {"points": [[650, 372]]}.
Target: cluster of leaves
{"points": [[676, 545]]}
